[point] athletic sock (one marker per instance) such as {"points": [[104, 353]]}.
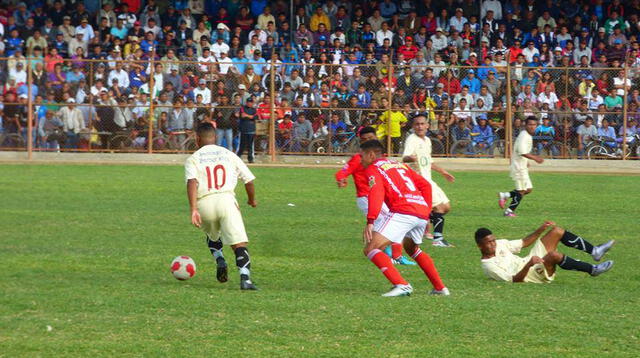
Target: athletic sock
{"points": [[386, 267], [437, 220], [426, 264], [396, 250], [505, 195], [216, 250], [572, 240], [568, 263], [516, 198], [243, 261]]}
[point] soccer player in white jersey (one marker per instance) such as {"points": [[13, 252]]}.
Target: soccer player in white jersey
{"points": [[417, 150], [520, 168], [212, 173], [500, 262]]}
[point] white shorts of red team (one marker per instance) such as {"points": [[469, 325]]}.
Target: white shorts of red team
{"points": [[363, 205]]}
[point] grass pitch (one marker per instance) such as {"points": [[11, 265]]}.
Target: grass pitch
{"points": [[86, 251]]}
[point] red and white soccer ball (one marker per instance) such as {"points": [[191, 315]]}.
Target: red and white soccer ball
{"points": [[183, 268]]}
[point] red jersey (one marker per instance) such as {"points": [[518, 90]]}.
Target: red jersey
{"points": [[402, 189], [354, 167]]}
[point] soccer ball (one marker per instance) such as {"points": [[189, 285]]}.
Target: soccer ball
{"points": [[183, 268]]}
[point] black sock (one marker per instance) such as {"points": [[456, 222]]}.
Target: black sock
{"points": [[516, 198], [568, 263], [243, 262], [437, 220], [572, 240], [216, 250]]}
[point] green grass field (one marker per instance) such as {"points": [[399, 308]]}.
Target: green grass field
{"points": [[86, 250]]}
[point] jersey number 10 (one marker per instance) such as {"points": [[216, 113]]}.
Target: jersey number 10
{"points": [[219, 177]]}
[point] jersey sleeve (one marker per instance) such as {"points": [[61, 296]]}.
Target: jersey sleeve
{"points": [[376, 194], [190, 169], [348, 168], [496, 272], [409, 147], [513, 245], [243, 171]]}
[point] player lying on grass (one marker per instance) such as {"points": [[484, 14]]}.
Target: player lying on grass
{"points": [[417, 149], [354, 168], [212, 173], [408, 197], [500, 263]]}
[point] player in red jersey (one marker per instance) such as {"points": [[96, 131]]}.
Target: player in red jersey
{"points": [[355, 168], [408, 197]]}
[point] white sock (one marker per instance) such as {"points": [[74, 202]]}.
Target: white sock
{"points": [[508, 211], [506, 195]]}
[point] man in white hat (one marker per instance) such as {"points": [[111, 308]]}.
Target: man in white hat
{"points": [[439, 40], [73, 122], [203, 90]]}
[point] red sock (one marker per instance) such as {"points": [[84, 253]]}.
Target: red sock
{"points": [[396, 250], [386, 266], [426, 264]]}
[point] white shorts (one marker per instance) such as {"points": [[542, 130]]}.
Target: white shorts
{"points": [[521, 180], [395, 227], [538, 273], [221, 217], [437, 195], [363, 205]]}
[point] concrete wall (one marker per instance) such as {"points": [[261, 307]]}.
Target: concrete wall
{"points": [[476, 164]]}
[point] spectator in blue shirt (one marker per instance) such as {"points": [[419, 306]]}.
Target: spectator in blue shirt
{"points": [[387, 9], [240, 62], [483, 72], [472, 82], [607, 131], [482, 134], [545, 134]]}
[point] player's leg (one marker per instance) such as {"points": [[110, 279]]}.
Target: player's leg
{"points": [[395, 249], [567, 238], [523, 187], [234, 234], [221, 264], [553, 258], [211, 226], [391, 228], [437, 218], [411, 244]]}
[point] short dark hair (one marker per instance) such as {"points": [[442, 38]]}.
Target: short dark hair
{"points": [[481, 233], [367, 130], [531, 118], [374, 145], [205, 129]]}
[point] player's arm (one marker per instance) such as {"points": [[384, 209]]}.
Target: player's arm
{"points": [[450, 178], [536, 158], [192, 194], [347, 169], [375, 198], [247, 178], [531, 238], [409, 153], [519, 277]]}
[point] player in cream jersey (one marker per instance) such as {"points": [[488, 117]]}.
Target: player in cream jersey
{"points": [[417, 150], [211, 174], [520, 167]]}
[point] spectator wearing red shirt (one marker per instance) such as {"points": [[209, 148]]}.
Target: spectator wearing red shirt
{"points": [[450, 83], [514, 51], [264, 108], [409, 50]]}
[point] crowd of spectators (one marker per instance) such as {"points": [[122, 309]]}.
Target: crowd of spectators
{"points": [[338, 65]]}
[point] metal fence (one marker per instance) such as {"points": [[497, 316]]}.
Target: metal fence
{"points": [[314, 108]]}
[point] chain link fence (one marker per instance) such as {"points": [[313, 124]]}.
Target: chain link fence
{"points": [[314, 107]]}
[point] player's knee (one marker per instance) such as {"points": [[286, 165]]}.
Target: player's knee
{"points": [[554, 257], [558, 230], [238, 245]]}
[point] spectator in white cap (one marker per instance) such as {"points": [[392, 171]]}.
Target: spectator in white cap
{"points": [[222, 31], [203, 90], [73, 122], [439, 40]]}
